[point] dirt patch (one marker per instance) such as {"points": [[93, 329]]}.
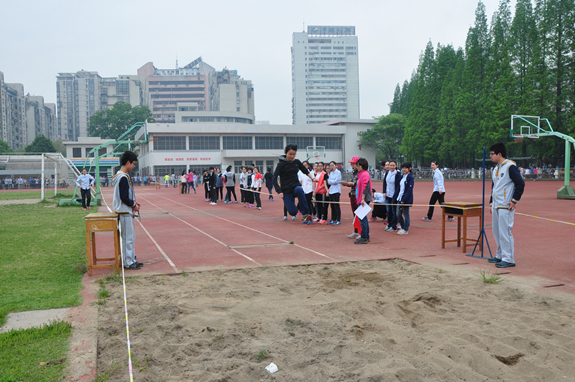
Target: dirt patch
{"points": [[365, 321]]}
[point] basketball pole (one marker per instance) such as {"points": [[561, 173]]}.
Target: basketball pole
{"points": [[482, 236]]}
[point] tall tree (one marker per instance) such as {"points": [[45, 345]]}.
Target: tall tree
{"points": [[5, 147], [41, 144], [112, 123], [396, 104], [385, 137]]}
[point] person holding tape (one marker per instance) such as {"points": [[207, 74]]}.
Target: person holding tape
{"points": [[124, 204], [506, 190]]}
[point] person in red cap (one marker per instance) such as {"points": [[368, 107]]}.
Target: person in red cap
{"points": [[352, 199]]}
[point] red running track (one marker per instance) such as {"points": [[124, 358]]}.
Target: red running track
{"points": [[185, 233]]}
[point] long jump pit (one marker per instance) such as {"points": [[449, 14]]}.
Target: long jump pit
{"points": [[227, 290]]}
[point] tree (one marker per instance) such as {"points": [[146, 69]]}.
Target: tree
{"points": [[5, 147], [385, 137], [41, 144], [112, 123]]}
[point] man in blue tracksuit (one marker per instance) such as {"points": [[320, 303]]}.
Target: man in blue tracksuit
{"points": [[506, 190]]}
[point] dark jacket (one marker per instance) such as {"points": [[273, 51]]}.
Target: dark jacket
{"points": [[287, 172], [397, 180], [407, 197], [269, 178]]}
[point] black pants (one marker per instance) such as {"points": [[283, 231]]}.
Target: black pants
{"points": [[436, 196], [86, 195], [321, 206], [231, 190], [221, 191], [335, 207], [257, 198], [249, 196], [242, 194], [270, 196], [214, 195], [207, 191], [308, 198], [184, 187]]}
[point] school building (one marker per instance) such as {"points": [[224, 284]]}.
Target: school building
{"points": [[182, 146]]}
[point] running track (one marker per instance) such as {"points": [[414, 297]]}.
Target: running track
{"points": [[184, 233]]}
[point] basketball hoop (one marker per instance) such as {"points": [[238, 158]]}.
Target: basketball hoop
{"points": [[518, 139]]}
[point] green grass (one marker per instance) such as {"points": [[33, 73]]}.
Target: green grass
{"points": [[489, 278], [35, 194], [40, 248], [23, 351]]}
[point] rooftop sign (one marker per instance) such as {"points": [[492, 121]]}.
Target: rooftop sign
{"points": [[322, 30]]}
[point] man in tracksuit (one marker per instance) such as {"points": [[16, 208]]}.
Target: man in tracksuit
{"points": [[124, 204], [506, 190]]}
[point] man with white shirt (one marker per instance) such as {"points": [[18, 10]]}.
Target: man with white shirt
{"points": [[84, 181]]}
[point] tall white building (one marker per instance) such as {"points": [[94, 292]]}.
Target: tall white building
{"points": [[40, 119], [325, 75]]}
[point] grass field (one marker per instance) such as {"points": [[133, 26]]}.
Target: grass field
{"points": [[35, 194], [43, 253]]}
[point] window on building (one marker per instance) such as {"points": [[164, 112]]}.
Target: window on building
{"points": [[301, 142], [269, 143], [237, 166], [204, 143], [330, 143], [237, 143], [102, 151], [169, 143], [270, 164], [88, 154], [77, 152]]}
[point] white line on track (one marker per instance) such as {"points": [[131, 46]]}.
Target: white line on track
{"points": [[204, 233], [250, 228], [150, 236]]}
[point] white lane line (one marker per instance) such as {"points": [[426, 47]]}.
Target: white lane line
{"points": [[204, 233], [151, 238], [250, 228]]}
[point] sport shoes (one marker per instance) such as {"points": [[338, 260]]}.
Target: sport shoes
{"points": [[336, 223], [426, 219], [84, 209], [361, 241], [450, 219], [354, 235], [285, 218], [389, 229], [373, 219], [330, 222], [402, 232], [316, 220], [134, 266], [293, 218], [504, 264], [323, 222], [88, 207], [494, 260]]}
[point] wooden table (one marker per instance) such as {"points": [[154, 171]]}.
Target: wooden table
{"points": [[461, 210], [102, 222]]}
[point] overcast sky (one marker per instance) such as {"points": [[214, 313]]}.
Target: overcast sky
{"points": [[39, 39]]}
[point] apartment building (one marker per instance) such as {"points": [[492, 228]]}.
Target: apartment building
{"points": [[41, 119], [325, 74]]}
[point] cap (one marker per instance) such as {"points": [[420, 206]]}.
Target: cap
{"points": [[354, 159]]}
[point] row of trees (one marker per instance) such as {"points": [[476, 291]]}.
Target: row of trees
{"points": [[458, 101]]}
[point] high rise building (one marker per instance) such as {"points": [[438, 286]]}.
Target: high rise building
{"points": [[325, 74], [83, 93], [231, 93], [3, 114], [167, 87], [14, 115], [78, 96], [40, 119]]}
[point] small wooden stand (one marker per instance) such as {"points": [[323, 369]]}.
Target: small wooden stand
{"points": [[461, 212], [102, 222]]}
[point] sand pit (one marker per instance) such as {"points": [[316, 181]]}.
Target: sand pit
{"points": [[365, 321]]}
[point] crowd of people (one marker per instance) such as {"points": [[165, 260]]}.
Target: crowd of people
{"points": [[20, 183]]}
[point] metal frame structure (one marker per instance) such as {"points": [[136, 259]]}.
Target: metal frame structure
{"points": [[566, 191]]}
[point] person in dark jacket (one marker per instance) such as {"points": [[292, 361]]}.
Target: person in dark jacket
{"points": [[390, 192], [287, 171], [405, 198], [213, 179], [269, 178], [206, 180]]}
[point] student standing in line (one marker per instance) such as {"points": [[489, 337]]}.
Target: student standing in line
{"points": [[268, 177], [391, 188], [219, 184], [230, 183], [506, 191], [405, 198], [166, 180], [363, 194], [334, 193], [191, 181], [206, 180], [243, 176], [438, 192], [184, 182], [352, 200], [84, 181], [320, 193], [213, 179], [257, 187], [124, 203], [248, 191], [383, 213], [306, 185]]}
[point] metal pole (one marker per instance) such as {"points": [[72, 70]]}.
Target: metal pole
{"points": [[42, 179], [567, 162]]}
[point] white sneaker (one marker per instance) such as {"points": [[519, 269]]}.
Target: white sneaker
{"points": [[402, 232], [354, 236]]}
